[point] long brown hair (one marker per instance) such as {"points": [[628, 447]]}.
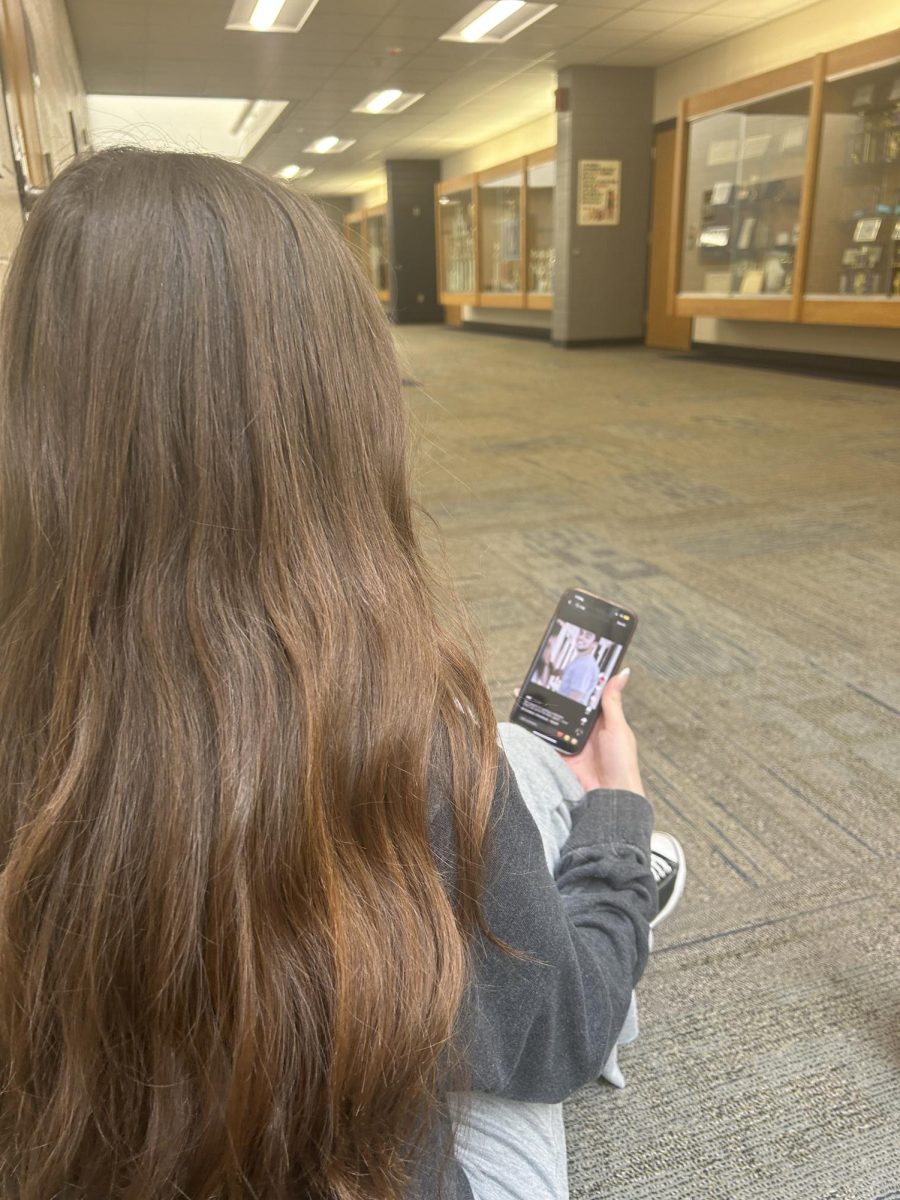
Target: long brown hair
{"points": [[228, 965]]}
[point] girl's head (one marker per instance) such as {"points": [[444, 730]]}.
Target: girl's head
{"points": [[227, 961]]}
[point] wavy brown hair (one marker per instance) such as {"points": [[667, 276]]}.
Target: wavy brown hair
{"points": [[228, 964]]}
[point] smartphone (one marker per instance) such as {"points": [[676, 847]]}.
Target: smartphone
{"points": [[581, 650]]}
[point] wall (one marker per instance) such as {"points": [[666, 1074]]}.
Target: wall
{"points": [[536, 135], [819, 28], [374, 197]]}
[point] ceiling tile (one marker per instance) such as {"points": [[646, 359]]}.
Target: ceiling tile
{"points": [[400, 27], [638, 56], [677, 6], [642, 20], [583, 17], [713, 23]]}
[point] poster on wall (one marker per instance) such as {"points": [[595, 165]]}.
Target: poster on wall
{"points": [[599, 188]]}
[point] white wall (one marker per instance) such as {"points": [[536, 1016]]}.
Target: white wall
{"points": [[374, 197], [536, 135], [803, 339]]}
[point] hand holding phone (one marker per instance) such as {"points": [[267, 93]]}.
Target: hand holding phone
{"points": [[610, 758]]}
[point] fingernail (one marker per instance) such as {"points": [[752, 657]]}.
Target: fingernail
{"points": [[625, 673]]}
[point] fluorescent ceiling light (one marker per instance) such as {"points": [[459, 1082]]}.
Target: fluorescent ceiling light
{"points": [[496, 21], [293, 171], [329, 145], [266, 13], [270, 16], [390, 101], [489, 19]]}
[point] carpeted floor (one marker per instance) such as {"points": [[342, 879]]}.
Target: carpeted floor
{"points": [[752, 519]]}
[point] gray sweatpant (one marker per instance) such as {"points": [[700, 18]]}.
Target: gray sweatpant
{"points": [[511, 1150]]}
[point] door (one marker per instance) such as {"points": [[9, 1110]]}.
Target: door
{"points": [[664, 332]]}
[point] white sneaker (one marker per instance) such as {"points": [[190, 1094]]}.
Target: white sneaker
{"points": [[669, 869]]}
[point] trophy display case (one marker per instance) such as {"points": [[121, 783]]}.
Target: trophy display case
{"points": [[376, 237], [854, 252], [540, 248], [500, 236], [495, 235], [744, 184], [366, 233], [456, 241], [787, 201]]}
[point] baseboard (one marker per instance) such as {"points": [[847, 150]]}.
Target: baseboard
{"points": [[535, 332], [595, 343], [833, 366]]}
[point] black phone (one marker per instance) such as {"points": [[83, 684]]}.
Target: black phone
{"points": [[581, 650]]}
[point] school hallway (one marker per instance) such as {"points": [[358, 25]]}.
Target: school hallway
{"points": [[750, 518]]}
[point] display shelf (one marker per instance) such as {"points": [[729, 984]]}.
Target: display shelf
{"points": [[495, 235], [455, 218], [540, 248], [854, 255], [500, 236], [787, 201], [376, 235], [366, 233], [743, 196]]}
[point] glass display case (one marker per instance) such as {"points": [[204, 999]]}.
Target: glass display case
{"points": [[855, 237], [366, 234], [456, 241], [376, 237], [540, 188], [743, 193], [495, 235], [500, 234], [787, 202]]}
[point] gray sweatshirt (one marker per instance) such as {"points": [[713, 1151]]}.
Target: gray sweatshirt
{"points": [[540, 1029]]}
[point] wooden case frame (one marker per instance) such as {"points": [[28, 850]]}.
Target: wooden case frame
{"points": [[798, 307], [478, 297], [361, 217]]}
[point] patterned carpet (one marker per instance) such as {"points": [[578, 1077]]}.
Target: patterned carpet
{"points": [[752, 520]]}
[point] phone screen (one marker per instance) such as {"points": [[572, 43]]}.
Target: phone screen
{"points": [[581, 650]]}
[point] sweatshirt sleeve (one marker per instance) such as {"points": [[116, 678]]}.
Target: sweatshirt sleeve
{"points": [[538, 1027]]}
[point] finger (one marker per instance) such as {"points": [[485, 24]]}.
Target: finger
{"points": [[613, 713]]}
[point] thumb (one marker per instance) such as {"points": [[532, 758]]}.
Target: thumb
{"points": [[611, 702]]}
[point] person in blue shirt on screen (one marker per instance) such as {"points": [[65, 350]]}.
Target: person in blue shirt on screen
{"points": [[581, 675]]}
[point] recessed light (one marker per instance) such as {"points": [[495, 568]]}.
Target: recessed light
{"points": [[329, 145], [496, 21], [266, 13], [293, 171], [390, 101], [270, 16]]}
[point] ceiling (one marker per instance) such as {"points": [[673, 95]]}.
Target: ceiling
{"points": [[349, 48]]}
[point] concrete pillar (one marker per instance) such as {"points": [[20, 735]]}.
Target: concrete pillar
{"points": [[411, 241], [600, 276]]}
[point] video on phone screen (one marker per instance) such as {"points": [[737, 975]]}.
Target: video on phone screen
{"points": [[576, 659]]}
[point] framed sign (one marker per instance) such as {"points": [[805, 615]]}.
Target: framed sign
{"points": [[599, 191]]}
